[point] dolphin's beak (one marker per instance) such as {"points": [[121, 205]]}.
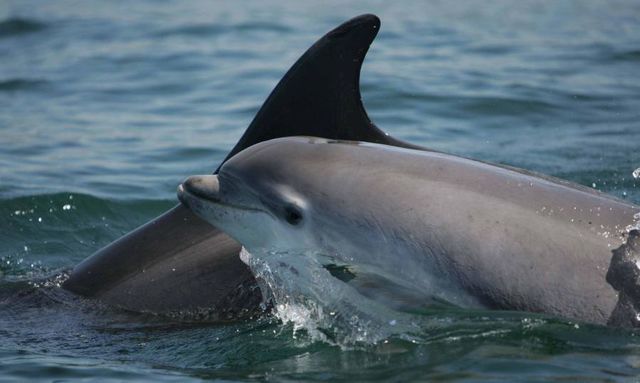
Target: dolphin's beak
{"points": [[206, 187]]}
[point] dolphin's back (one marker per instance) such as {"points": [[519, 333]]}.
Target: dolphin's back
{"points": [[511, 239]]}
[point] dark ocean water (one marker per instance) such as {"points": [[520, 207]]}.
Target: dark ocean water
{"points": [[106, 106]]}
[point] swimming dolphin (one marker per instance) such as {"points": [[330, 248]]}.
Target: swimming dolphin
{"points": [[177, 263], [467, 232]]}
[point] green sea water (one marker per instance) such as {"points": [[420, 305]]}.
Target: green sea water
{"points": [[105, 107]]}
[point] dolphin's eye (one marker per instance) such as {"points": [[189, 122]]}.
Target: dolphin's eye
{"points": [[292, 214]]}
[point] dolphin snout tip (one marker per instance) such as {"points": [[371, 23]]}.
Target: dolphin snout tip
{"points": [[205, 187], [180, 192]]}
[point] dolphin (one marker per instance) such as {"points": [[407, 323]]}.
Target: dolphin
{"points": [[177, 263], [463, 231]]}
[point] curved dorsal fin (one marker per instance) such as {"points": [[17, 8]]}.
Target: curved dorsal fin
{"points": [[320, 94]]}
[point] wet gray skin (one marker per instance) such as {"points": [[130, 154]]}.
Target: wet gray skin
{"points": [[464, 231]]}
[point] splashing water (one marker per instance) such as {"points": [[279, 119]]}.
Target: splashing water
{"points": [[636, 217], [636, 223], [304, 293]]}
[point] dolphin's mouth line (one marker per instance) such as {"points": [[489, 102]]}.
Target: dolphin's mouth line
{"points": [[184, 191]]}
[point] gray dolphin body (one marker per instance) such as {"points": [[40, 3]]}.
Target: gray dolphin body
{"points": [[464, 231]]}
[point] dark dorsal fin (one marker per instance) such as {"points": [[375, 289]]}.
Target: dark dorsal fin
{"points": [[320, 94]]}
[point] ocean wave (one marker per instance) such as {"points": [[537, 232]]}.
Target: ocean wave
{"points": [[60, 203], [61, 229], [47, 214]]}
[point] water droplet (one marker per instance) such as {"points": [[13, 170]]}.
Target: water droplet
{"points": [[39, 219], [66, 207], [593, 185]]}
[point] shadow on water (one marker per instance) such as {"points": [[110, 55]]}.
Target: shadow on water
{"points": [[18, 84], [20, 26]]}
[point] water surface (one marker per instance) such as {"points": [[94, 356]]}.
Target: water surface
{"points": [[106, 106]]}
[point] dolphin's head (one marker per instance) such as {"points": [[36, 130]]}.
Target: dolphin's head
{"points": [[312, 196], [274, 195], [254, 198], [254, 218]]}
